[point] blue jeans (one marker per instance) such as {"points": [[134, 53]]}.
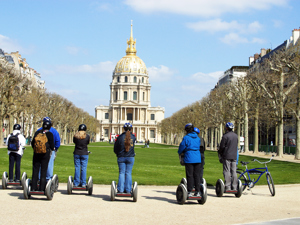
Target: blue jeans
{"points": [[80, 162], [125, 169], [50, 167]]}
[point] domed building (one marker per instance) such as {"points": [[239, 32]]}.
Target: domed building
{"points": [[130, 101]]}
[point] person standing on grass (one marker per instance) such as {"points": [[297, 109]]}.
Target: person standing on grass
{"points": [[228, 152], [124, 150], [53, 153], [190, 146], [15, 143], [202, 149], [81, 155]]}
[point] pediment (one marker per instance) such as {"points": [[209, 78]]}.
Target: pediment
{"points": [[129, 103]]}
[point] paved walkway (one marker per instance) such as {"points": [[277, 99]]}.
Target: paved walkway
{"points": [[155, 205]]}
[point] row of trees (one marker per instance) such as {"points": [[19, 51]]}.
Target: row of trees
{"points": [[265, 100], [21, 102]]}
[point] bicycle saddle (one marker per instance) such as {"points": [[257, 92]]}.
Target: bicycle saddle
{"points": [[244, 163]]}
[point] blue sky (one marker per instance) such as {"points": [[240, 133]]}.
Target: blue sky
{"points": [[186, 45]]}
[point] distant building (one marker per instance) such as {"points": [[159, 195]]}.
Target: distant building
{"points": [[130, 101], [232, 74]]}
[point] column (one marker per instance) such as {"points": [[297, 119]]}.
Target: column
{"points": [[125, 114], [138, 114], [112, 114], [133, 114]]}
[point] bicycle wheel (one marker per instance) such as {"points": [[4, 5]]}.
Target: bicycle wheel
{"points": [[241, 176], [270, 184]]}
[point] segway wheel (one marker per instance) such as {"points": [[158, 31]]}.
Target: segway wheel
{"points": [[183, 181], [135, 191], [70, 185], [90, 186], [55, 182], [49, 191], [220, 188], [113, 191], [203, 191], [204, 182], [240, 189], [4, 180], [26, 190], [181, 194], [23, 179]]}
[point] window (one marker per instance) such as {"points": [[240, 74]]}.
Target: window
{"points": [[134, 95], [105, 132], [152, 133], [116, 95], [143, 96], [129, 116], [106, 116], [126, 79], [118, 79], [142, 79], [134, 79], [152, 116], [125, 95]]}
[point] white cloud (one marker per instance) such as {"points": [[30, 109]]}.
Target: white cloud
{"points": [[207, 77], [160, 74], [8, 45], [202, 8], [234, 38], [73, 50], [217, 25], [101, 6], [278, 23]]}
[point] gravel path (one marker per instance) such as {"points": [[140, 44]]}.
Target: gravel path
{"points": [[155, 205]]}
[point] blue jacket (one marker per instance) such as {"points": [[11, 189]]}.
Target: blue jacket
{"points": [[56, 137], [119, 147], [190, 146]]}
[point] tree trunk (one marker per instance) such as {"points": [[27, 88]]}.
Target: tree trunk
{"points": [[246, 146], [220, 132], [239, 135], [255, 147], [297, 153], [276, 135], [211, 138], [216, 138], [280, 139]]}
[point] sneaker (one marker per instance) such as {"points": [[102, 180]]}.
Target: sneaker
{"points": [[190, 194], [197, 194], [10, 181], [83, 186], [18, 181], [227, 189]]}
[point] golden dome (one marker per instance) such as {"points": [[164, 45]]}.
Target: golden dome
{"points": [[131, 63]]}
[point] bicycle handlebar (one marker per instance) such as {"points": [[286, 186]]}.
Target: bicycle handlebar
{"points": [[263, 162]]}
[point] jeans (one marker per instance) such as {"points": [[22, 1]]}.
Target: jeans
{"points": [[192, 171], [80, 162], [51, 165], [125, 169], [14, 157], [229, 172]]}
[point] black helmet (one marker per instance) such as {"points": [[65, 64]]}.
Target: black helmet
{"points": [[189, 128], [47, 125], [17, 127], [82, 127]]}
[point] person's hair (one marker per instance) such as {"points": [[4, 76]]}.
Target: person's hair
{"points": [[127, 140]]}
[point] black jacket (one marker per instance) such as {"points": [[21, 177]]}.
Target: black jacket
{"points": [[81, 140], [49, 144], [119, 147], [228, 146], [202, 145]]}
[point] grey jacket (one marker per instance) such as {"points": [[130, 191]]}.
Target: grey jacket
{"points": [[228, 146]]}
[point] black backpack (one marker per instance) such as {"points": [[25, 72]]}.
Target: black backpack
{"points": [[13, 143]]}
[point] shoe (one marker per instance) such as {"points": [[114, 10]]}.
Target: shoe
{"points": [[18, 181], [190, 194], [197, 194], [227, 189], [75, 186], [10, 181], [83, 186]]}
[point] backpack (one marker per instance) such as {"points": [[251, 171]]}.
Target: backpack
{"points": [[40, 141], [13, 143]]}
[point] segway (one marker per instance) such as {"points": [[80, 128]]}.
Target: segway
{"points": [[132, 194], [6, 183], [89, 186], [182, 193], [220, 189], [49, 191], [55, 182]]}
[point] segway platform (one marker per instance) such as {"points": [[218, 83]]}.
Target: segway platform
{"points": [[6, 183], [49, 190], [182, 193], [220, 189], [89, 186], [114, 193]]}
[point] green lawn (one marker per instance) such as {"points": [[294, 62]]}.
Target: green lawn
{"points": [[158, 165]]}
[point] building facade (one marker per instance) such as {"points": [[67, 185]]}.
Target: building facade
{"points": [[130, 100], [232, 74]]}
